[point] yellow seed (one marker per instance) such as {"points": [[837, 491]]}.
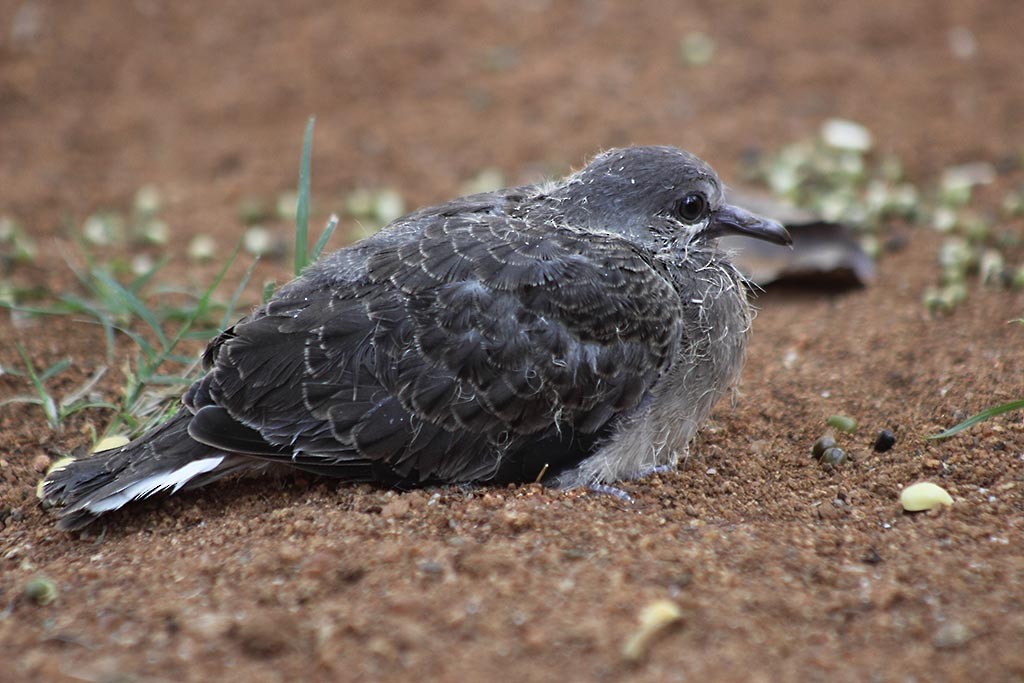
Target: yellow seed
{"points": [[924, 495], [110, 442], [655, 618], [55, 467]]}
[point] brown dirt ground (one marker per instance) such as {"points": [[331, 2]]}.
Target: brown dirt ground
{"points": [[783, 571]]}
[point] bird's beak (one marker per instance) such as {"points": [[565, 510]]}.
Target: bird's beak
{"points": [[732, 220]]}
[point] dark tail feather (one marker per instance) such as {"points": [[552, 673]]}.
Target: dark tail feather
{"points": [[165, 458]]}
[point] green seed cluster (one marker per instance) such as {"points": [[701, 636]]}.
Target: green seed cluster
{"points": [[837, 175]]}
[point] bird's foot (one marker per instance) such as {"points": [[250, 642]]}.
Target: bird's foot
{"points": [[618, 493]]}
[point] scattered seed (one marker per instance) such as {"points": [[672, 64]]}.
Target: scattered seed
{"points": [[258, 241], [871, 246], [1017, 279], [952, 635], [142, 264], [884, 441], [110, 442], [103, 229], [55, 467], [487, 180], [975, 227], [848, 135], [359, 203], [974, 173], [953, 294], [1013, 203], [655, 618], [944, 219], [833, 456], [287, 205], [389, 205], [823, 444], [843, 423], [955, 254], [202, 248], [924, 496], [40, 590], [154, 231], [253, 210], [14, 243], [962, 42], [148, 201], [696, 49], [991, 267], [8, 294]]}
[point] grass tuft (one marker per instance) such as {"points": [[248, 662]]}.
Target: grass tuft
{"points": [[986, 414], [156, 317]]}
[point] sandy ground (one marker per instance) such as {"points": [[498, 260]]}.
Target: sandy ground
{"points": [[782, 570]]}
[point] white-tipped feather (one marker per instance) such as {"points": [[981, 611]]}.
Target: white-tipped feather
{"points": [[173, 480]]}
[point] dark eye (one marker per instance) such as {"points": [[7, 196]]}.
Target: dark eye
{"points": [[692, 207]]}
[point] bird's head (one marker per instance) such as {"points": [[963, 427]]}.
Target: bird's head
{"points": [[658, 196]]}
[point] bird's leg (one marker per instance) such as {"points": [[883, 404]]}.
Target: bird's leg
{"points": [[658, 469]]}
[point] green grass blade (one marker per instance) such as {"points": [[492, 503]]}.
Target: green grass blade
{"points": [[147, 369], [79, 395], [45, 400], [302, 213], [980, 417], [332, 224], [132, 303], [229, 312], [59, 366]]}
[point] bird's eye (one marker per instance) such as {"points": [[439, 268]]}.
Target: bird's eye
{"points": [[692, 207]]}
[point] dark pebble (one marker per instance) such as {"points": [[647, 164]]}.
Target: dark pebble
{"points": [[884, 441]]}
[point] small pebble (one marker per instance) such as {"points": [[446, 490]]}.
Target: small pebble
{"points": [[41, 463], [843, 423], [884, 441], [924, 495]]}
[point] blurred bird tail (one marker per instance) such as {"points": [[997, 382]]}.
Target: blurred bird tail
{"points": [[165, 458]]}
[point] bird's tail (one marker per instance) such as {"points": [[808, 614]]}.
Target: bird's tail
{"points": [[165, 458]]}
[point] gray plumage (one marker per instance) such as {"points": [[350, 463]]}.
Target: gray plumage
{"points": [[578, 331]]}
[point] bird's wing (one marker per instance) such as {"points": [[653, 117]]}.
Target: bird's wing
{"points": [[460, 343]]}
